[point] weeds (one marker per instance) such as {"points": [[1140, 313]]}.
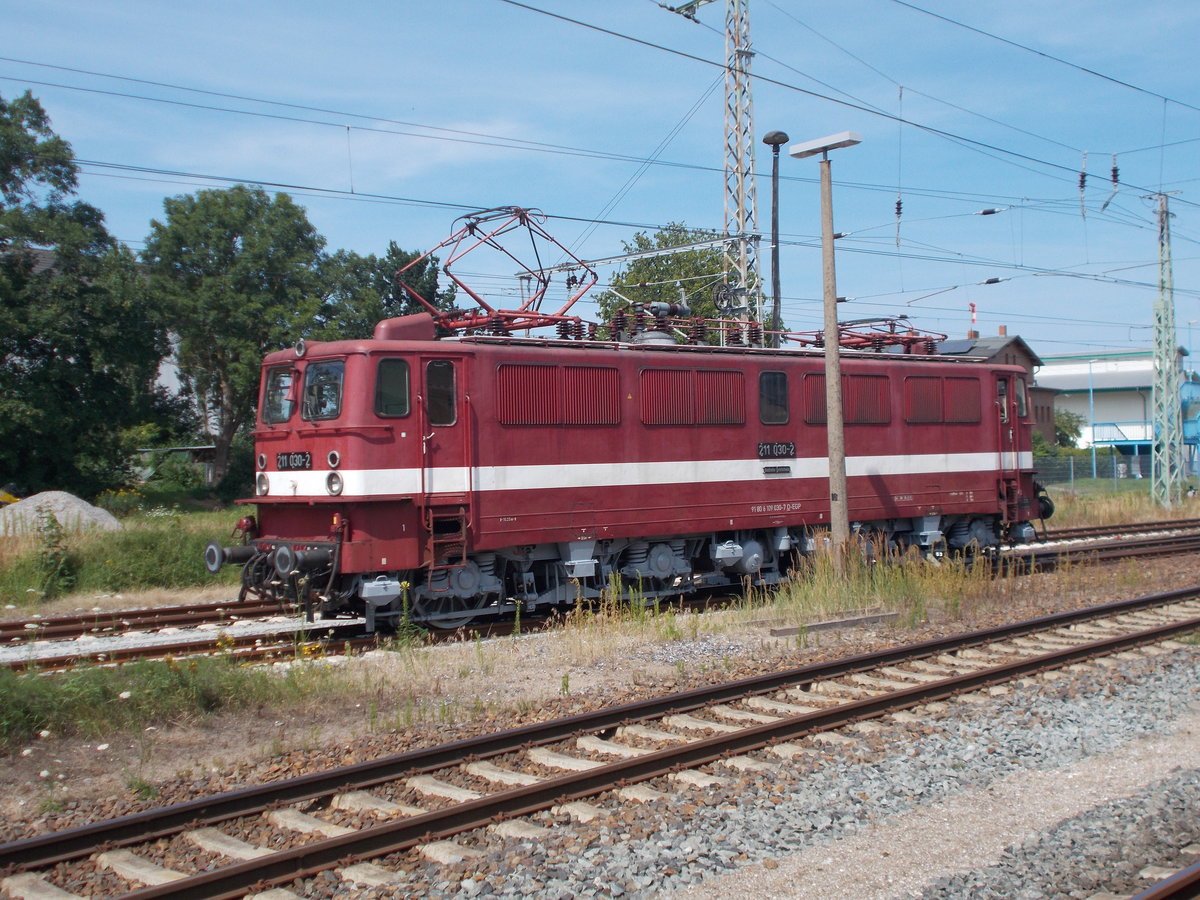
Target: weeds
{"points": [[91, 701], [53, 561], [151, 551], [1106, 507], [141, 788]]}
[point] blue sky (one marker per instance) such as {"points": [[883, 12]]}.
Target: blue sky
{"points": [[405, 115]]}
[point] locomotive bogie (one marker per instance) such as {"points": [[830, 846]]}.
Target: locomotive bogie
{"points": [[449, 480]]}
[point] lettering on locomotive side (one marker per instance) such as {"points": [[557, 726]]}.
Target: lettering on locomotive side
{"points": [[293, 461], [775, 507], [776, 449]]}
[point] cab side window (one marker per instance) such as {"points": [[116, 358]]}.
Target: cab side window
{"points": [[1002, 398], [391, 388], [441, 397], [323, 389], [773, 398], [1022, 400]]}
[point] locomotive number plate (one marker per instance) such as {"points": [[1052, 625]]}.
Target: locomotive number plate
{"points": [[292, 461], [776, 450]]}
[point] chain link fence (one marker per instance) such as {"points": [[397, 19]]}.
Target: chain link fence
{"points": [[1064, 471]]}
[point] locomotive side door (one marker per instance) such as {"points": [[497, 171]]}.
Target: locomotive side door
{"points": [[446, 482], [1008, 468]]}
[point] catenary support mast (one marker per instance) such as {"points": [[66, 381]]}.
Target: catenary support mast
{"points": [[741, 200], [1167, 458]]}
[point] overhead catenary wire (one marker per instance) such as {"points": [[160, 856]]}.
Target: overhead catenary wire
{"points": [[1005, 154], [447, 134], [1054, 207], [1049, 56]]}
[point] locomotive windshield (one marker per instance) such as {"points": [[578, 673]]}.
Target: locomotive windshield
{"points": [[278, 401], [323, 389]]}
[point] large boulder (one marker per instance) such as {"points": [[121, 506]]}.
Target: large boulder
{"points": [[72, 513]]}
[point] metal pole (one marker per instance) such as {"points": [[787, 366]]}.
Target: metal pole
{"points": [[1092, 415], [839, 516], [774, 139], [776, 302]]}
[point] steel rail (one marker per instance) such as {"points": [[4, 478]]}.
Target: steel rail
{"points": [[304, 861], [151, 824], [1183, 885], [241, 647], [74, 626], [1066, 534], [1132, 548]]}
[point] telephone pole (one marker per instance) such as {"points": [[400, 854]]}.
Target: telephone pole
{"points": [[1167, 456]]}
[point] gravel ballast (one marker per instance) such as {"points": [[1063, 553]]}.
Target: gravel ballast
{"points": [[961, 769], [896, 806]]}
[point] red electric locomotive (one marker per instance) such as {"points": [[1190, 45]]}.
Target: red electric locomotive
{"points": [[448, 478]]}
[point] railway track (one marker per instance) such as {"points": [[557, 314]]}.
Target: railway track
{"points": [[1046, 557], [334, 637], [1103, 531], [265, 647], [1182, 885], [109, 622], [423, 799]]}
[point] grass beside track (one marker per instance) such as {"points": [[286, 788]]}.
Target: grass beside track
{"points": [[166, 551], [98, 701], [162, 548]]}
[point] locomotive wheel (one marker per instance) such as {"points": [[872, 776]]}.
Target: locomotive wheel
{"points": [[449, 612]]}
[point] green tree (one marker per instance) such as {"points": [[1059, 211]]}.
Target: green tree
{"points": [[80, 343], [1068, 428], [692, 276], [1041, 446], [237, 271], [358, 291]]}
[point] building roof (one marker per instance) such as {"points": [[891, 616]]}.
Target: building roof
{"points": [[1114, 372], [1099, 381], [987, 347]]}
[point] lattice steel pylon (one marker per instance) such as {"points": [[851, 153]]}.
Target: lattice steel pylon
{"points": [[1167, 459], [741, 198]]}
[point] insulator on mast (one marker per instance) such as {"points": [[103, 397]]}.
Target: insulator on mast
{"points": [[1082, 185]]}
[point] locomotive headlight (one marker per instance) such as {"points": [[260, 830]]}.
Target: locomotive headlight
{"points": [[334, 458], [333, 483], [262, 461], [262, 485]]}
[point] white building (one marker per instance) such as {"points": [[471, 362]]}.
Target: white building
{"points": [[1113, 393]]}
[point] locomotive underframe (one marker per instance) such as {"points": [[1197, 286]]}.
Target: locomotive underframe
{"points": [[541, 577]]}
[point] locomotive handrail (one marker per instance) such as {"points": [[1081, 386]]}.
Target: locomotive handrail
{"points": [[468, 434], [343, 429], [422, 424]]}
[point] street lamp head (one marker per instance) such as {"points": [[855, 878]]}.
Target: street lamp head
{"points": [[825, 144], [774, 138]]}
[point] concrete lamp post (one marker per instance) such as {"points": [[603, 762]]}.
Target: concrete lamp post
{"points": [[839, 511]]}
